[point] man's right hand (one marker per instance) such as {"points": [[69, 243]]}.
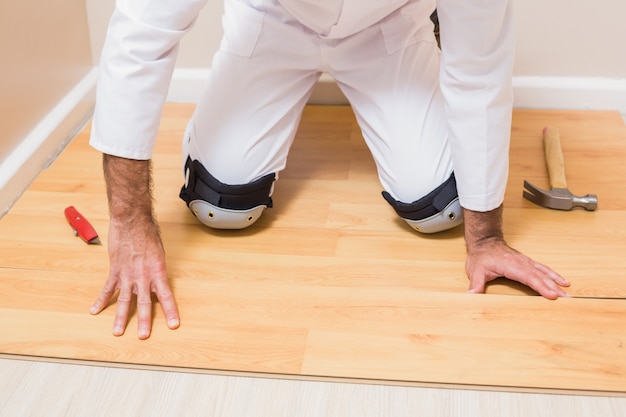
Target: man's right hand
{"points": [[136, 255], [137, 269]]}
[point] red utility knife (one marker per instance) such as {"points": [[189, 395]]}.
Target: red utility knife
{"points": [[81, 226]]}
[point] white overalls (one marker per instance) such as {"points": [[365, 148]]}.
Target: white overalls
{"points": [[421, 119]]}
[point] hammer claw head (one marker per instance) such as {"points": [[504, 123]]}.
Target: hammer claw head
{"points": [[537, 195], [558, 198], [533, 194]]}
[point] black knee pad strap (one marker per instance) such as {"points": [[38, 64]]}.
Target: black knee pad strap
{"points": [[201, 185], [427, 206]]}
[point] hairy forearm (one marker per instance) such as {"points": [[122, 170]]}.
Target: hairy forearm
{"points": [[136, 254], [482, 226], [129, 189]]}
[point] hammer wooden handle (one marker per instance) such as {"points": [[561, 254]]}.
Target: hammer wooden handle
{"points": [[554, 158]]}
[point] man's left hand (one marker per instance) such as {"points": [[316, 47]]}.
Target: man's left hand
{"points": [[493, 258], [490, 257]]}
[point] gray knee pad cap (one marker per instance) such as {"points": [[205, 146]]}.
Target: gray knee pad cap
{"points": [[449, 217], [438, 211], [221, 218], [223, 206]]}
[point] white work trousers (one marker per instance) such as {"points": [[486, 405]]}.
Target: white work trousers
{"points": [[267, 66]]}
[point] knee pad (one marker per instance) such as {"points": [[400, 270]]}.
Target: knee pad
{"points": [[439, 210], [223, 206]]}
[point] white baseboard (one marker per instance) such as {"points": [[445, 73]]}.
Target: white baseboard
{"points": [[43, 144], [568, 93], [187, 84]]}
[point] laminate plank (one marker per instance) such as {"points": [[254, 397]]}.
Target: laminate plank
{"points": [[330, 283], [481, 342]]}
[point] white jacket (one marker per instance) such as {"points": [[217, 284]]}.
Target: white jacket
{"points": [[477, 38]]}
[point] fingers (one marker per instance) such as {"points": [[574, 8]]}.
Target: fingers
{"points": [[168, 304], [502, 261], [143, 294], [123, 304], [144, 311], [104, 297], [556, 277], [546, 282], [123, 307], [546, 289], [477, 285], [538, 277], [541, 279], [544, 285]]}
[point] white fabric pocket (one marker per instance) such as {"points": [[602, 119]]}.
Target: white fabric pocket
{"points": [[407, 27], [242, 27]]}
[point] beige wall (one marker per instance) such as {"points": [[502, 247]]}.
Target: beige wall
{"points": [[197, 48], [571, 38], [46, 87], [555, 38], [45, 51]]}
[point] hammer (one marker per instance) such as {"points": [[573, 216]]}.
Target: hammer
{"points": [[559, 197]]}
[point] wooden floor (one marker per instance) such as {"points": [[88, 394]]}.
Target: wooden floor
{"points": [[329, 283]]}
